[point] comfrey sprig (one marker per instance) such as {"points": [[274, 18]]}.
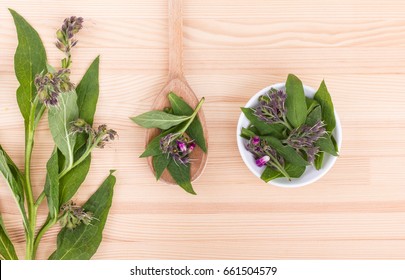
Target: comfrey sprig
{"points": [[289, 131], [304, 138], [265, 155], [70, 119], [65, 35], [181, 133], [96, 137], [271, 108], [50, 85]]}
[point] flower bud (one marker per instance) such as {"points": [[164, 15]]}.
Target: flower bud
{"points": [[191, 147], [65, 34], [50, 85], [80, 126], [182, 146], [311, 153], [262, 161], [271, 108], [178, 147], [305, 136], [105, 135], [72, 216], [255, 140], [168, 110], [60, 36]]}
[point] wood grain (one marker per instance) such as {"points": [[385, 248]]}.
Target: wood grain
{"points": [[232, 49]]}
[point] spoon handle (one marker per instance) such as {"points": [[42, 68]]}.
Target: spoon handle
{"points": [[175, 39]]}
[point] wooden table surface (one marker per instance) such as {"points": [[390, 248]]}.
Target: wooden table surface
{"points": [[232, 50]]}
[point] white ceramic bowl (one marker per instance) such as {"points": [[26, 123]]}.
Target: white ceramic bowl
{"points": [[311, 174]]}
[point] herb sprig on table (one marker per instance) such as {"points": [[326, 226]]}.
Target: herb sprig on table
{"points": [[71, 112], [180, 133], [289, 131]]}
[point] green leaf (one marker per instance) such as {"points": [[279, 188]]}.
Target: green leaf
{"points": [[311, 104], [275, 130], [87, 96], [288, 153], [60, 118], [7, 251], [253, 129], [195, 130], [181, 174], [29, 60], [158, 119], [52, 185], [15, 181], [319, 160], [334, 143], [270, 174], [295, 102], [82, 242], [70, 183], [328, 112], [315, 116], [87, 92], [160, 163], [293, 171], [247, 133], [153, 148], [325, 144]]}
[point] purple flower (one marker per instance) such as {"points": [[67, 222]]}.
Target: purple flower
{"points": [[65, 34], [50, 85], [191, 147], [166, 142], [311, 153], [304, 139], [105, 135], [305, 136], [182, 146], [271, 108], [262, 161], [178, 147], [263, 153]]}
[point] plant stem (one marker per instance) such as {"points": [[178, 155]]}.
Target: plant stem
{"points": [[46, 226], [286, 123], [39, 116], [192, 117], [63, 173], [82, 158], [29, 144], [276, 164], [40, 199], [51, 222]]}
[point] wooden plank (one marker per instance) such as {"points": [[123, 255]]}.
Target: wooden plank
{"points": [[232, 50]]}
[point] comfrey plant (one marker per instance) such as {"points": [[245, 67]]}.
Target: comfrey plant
{"points": [[71, 112], [180, 134], [289, 131]]}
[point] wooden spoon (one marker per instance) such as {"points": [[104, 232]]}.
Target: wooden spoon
{"points": [[177, 83]]}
